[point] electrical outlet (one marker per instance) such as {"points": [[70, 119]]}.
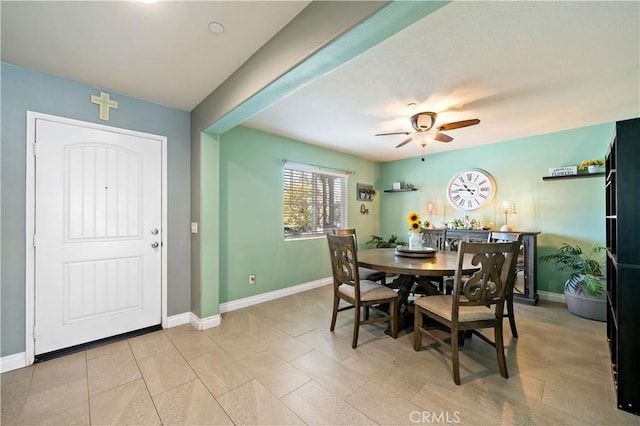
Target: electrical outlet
{"points": [[252, 278]]}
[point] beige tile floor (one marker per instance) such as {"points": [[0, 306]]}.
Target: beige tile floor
{"points": [[277, 363]]}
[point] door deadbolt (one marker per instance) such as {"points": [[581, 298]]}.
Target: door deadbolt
{"points": [[154, 231]]}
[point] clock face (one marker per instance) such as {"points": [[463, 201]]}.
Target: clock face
{"points": [[471, 189]]}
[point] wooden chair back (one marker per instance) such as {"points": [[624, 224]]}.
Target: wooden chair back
{"points": [[344, 261], [499, 236], [488, 285], [510, 236], [434, 238], [365, 274], [347, 231]]}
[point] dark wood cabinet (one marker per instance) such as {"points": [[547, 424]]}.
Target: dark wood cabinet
{"points": [[623, 262]]}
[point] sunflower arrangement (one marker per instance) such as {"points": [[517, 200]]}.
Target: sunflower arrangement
{"points": [[413, 219], [595, 162]]}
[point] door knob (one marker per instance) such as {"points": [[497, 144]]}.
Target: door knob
{"points": [[155, 244]]}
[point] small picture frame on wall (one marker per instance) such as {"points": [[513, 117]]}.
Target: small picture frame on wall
{"points": [[365, 192]]}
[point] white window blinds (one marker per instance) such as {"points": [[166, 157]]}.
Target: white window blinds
{"points": [[315, 201]]}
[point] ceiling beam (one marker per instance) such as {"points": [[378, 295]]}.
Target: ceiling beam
{"points": [[325, 35]]}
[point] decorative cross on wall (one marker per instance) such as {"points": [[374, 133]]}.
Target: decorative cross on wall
{"points": [[105, 103]]}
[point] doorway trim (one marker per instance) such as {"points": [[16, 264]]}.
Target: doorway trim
{"points": [[30, 193]]}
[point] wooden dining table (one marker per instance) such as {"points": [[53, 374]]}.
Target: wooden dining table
{"points": [[413, 270], [443, 263]]}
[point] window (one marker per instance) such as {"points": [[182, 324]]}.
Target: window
{"points": [[315, 201]]}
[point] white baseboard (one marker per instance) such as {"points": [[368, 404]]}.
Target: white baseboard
{"points": [[191, 318], [19, 360], [13, 362], [204, 323], [272, 295], [180, 319], [216, 320], [552, 297]]}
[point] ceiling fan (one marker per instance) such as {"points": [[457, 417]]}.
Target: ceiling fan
{"points": [[423, 123]]}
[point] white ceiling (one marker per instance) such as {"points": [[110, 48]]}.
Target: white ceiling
{"points": [[522, 68], [161, 52]]}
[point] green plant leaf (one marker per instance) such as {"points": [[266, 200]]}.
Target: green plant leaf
{"points": [[379, 242], [583, 267]]}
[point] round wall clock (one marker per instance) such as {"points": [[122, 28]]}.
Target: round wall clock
{"points": [[471, 189]]}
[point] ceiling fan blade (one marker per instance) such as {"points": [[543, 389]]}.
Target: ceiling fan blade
{"points": [[403, 143], [459, 124], [441, 137], [392, 133]]}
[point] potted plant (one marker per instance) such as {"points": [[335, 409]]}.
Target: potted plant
{"points": [[366, 193], [369, 193], [591, 165], [584, 290], [379, 242]]}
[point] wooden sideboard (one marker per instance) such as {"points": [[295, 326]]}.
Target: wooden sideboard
{"points": [[526, 293]]}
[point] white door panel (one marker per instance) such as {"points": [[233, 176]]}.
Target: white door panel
{"points": [[98, 202]]}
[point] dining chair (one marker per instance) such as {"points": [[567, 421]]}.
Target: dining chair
{"points": [[366, 294], [502, 237], [365, 273], [477, 301], [435, 238]]}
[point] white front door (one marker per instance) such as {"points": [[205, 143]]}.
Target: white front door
{"points": [[98, 233]]}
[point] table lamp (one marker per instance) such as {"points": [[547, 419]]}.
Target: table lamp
{"points": [[506, 208], [431, 209]]}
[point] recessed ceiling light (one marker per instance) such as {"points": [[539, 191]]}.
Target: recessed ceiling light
{"points": [[148, 1], [216, 27]]}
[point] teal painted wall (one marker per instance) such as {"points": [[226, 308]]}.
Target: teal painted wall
{"points": [[245, 169], [569, 210], [25, 90], [208, 303], [251, 213]]}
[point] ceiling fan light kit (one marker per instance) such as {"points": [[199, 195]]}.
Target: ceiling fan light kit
{"points": [[422, 139]]}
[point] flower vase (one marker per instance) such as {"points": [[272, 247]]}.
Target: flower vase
{"points": [[592, 169], [415, 240]]}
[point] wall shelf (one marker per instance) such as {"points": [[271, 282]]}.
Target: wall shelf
{"points": [[401, 190], [573, 176]]}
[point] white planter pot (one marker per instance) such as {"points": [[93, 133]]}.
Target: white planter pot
{"points": [[581, 304], [415, 240]]}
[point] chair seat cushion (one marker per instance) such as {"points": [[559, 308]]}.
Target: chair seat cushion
{"points": [[441, 306], [368, 291]]}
